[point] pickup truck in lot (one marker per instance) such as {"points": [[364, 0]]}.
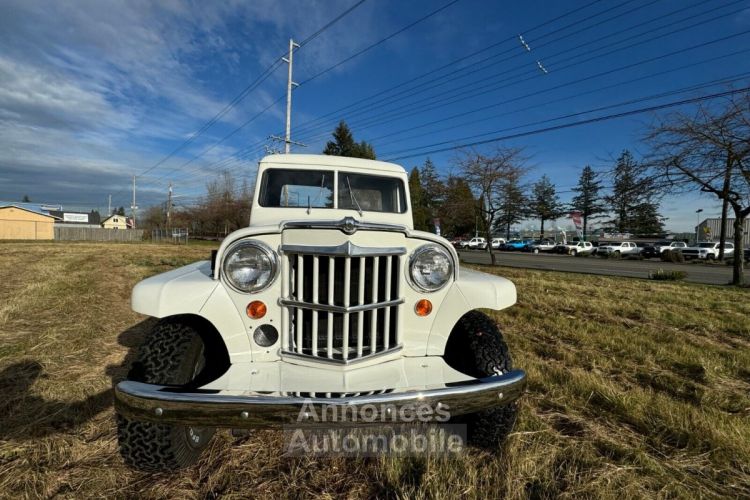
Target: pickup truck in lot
{"points": [[708, 250], [540, 246], [477, 244], [619, 249], [663, 246], [575, 248]]}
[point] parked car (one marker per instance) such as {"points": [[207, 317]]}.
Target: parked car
{"points": [[248, 339], [497, 243], [456, 242], [663, 246], [649, 251], [708, 250], [537, 246], [515, 244], [477, 243], [575, 248], [619, 249]]}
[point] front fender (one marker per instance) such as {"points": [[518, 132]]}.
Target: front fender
{"points": [[192, 290], [473, 290], [181, 291]]}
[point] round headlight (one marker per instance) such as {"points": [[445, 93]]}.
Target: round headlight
{"points": [[250, 266], [430, 268]]}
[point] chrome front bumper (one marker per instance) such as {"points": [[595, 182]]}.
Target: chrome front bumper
{"points": [[173, 405]]}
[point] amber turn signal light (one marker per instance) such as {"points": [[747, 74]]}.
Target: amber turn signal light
{"points": [[256, 309], [423, 307]]}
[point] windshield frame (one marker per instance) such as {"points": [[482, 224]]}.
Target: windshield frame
{"points": [[401, 200]]}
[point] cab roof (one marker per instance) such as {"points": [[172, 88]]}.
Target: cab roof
{"points": [[315, 161]]}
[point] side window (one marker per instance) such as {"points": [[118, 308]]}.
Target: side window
{"points": [[729, 246]]}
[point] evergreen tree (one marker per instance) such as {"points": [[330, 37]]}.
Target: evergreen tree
{"points": [[513, 204], [343, 144], [433, 189], [588, 201], [418, 208], [632, 198], [26, 199], [457, 210], [120, 211], [544, 203]]}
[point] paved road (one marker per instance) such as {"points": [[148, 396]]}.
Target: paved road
{"points": [[712, 274]]}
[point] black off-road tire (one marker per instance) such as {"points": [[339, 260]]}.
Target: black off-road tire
{"points": [[173, 353], [476, 348]]}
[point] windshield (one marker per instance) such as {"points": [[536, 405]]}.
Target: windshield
{"points": [[314, 189], [296, 188], [707, 245], [371, 193]]}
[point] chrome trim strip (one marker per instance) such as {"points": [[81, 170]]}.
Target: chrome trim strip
{"points": [[339, 309], [348, 225], [336, 361], [162, 404], [345, 249]]}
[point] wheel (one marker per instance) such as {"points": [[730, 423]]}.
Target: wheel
{"points": [[710, 257], [476, 348], [536, 250], [173, 353], [574, 252], [616, 254]]}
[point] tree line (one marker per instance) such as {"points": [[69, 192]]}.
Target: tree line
{"points": [[707, 149]]}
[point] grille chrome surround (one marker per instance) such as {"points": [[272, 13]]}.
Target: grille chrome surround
{"points": [[342, 302]]}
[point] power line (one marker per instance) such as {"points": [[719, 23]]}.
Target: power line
{"points": [[349, 58], [547, 103], [720, 81], [379, 42], [404, 112], [439, 102], [578, 123], [512, 38]]}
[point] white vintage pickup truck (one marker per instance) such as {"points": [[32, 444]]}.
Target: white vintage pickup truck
{"points": [[329, 297]]}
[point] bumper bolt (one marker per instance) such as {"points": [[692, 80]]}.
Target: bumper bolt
{"points": [[158, 412]]}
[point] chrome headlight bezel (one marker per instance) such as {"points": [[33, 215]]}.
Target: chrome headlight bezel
{"points": [[419, 252], [259, 245]]}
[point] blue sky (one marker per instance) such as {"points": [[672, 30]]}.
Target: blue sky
{"points": [[94, 92]]}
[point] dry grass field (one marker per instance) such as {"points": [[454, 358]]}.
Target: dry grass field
{"points": [[637, 389]]}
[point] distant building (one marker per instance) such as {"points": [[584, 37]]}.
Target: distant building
{"points": [[710, 230], [18, 223], [116, 221], [76, 219]]}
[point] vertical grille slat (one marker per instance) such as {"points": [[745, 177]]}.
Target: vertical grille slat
{"points": [[360, 301], [374, 314], [315, 273], [365, 281], [347, 287], [329, 325], [387, 318], [299, 292]]}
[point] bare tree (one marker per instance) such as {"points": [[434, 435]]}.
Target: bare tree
{"points": [[486, 174], [709, 149]]}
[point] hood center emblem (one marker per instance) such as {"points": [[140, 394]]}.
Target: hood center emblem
{"points": [[349, 225]]}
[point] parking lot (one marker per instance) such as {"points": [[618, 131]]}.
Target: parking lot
{"points": [[697, 272]]}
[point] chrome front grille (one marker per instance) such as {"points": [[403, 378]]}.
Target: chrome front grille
{"points": [[342, 303]]}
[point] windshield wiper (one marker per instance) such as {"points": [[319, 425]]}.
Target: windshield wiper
{"points": [[351, 194]]}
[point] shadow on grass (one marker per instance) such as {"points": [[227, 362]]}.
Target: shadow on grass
{"points": [[24, 415]]}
